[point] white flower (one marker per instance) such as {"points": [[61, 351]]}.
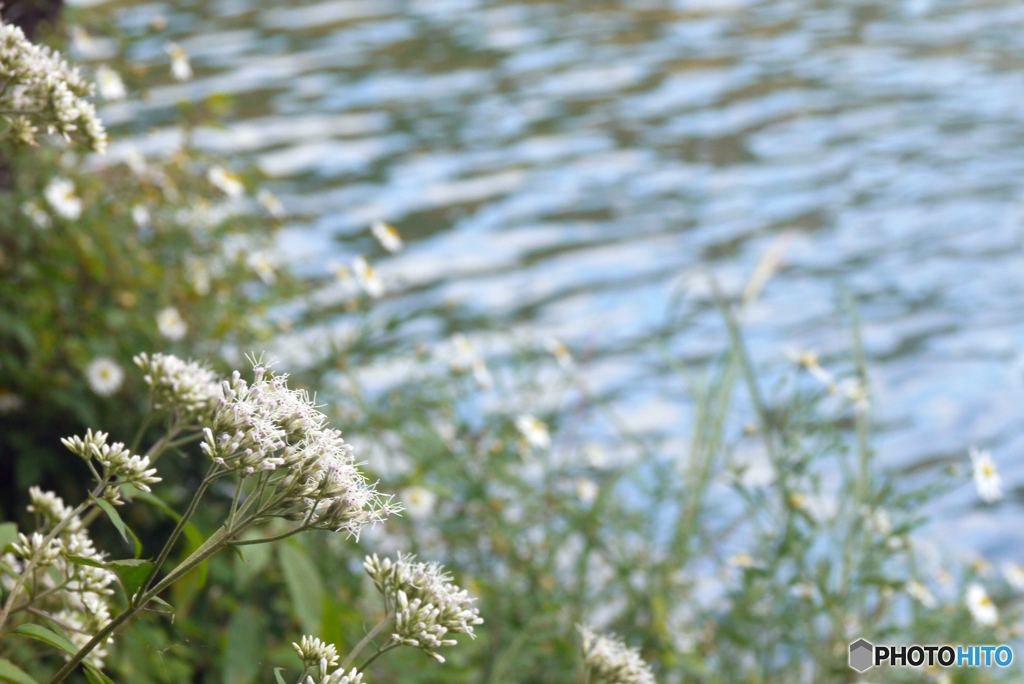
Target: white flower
{"points": [[418, 501], [140, 215], [986, 479], [367, 277], [228, 183], [104, 375], [466, 358], [744, 560], [534, 431], [311, 650], [181, 69], [560, 352], [920, 592], [60, 193], [608, 659], [270, 202], [171, 324], [982, 609], [387, 236], [188, 387], [40, 219], [262, 266], [1014, 574], [109, 83], [586, 489]]}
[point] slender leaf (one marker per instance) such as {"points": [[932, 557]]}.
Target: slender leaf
{"points": [[165, 604], [46, 636], [8, 534], [277, 675], [244, 647], [9, 672], [304, 586], [115, 518]]}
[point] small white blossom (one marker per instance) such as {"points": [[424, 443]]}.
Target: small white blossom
{"points": [[40, 219], [608, 659], [104, 375], [10, 402], [60, 193], [141, 217], [561, 353], [171, 324], [227, 182], [587, 490], [534, 430], [986, 479], [1014, 574], [982, 609], [109, 84], [181, 68], [270, 202], [418, 501], [311, 650], [367, 277], [387, 236], [262, 266], [466, 359], [918, 591], [188, 387]]}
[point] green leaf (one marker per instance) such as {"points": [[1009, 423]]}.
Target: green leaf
{"points": [[96, 676], [245, 646], [192, 533], [115, 518], [131, 573], [165, 604], [186, 589], [46, 636], [304, 586], [253, 558], [277, 675], [82, 560], [8, 534], [9, 672]]}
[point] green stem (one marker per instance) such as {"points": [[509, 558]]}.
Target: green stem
{"points": [[141, 431], [366, 640], [265, 540], [376, 655]]}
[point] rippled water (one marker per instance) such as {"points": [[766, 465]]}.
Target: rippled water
{"points": [[560, 167]]}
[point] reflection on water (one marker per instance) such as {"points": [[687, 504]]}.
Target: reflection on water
{"points": [[561, 166]]}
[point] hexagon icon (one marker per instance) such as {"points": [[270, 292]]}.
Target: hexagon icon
{"points": [[862, 655]]}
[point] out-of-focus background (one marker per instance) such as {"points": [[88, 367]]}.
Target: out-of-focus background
{"points": [[562, 169]]}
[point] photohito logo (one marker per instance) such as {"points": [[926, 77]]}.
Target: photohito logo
{"points": [[865, 655]]}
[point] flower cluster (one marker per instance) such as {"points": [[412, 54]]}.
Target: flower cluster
{"points": [[608, 659], [84, 602], [266, 427], [425, 603], [39, 87], [188, 387], [321, 658], [118, 465]]}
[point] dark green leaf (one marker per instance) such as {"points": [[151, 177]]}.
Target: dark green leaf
{"points": [[304, 586], [46, 636], [115, 518], [245, 646], [131, 573], [165, 604], [81, 560], [9, 672]]}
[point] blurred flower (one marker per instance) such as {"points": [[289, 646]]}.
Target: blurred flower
{"points": [[1014, 574], [171, 324], [228, 183], [109, 84], [367, 277], [60, 193], [535, 431], [467, 358], [586, 489], [181, 69], [560, 352], [10, 402], [743, 560], [261, 264], [140, 215], [596, 456], [608, 659], [188, 387], [270, 202], [197, 274], [986, 479], [982, 609], [418, 501], [104, 375], [387, 236], [40, 219], [918, 591]]}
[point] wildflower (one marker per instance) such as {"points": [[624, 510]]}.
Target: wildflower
{"points": [[109, 84], [744, 560], [311, 650], [535, 431], [425, 602], [262, 266], [418, 501], [40, 219], [171, 324], [1014, 574], [41, 85], [60, 193], [367, 277], [104, 375], [982, 609], [198, 275], [270, 202], [10, 402], [986, 479], [387, 236], [188, 387], [918, 591], [607, 658], [225, 181], [265, 426], [119, 467], [560, 352], [181, 69], [141, 217], [808, 359]]}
